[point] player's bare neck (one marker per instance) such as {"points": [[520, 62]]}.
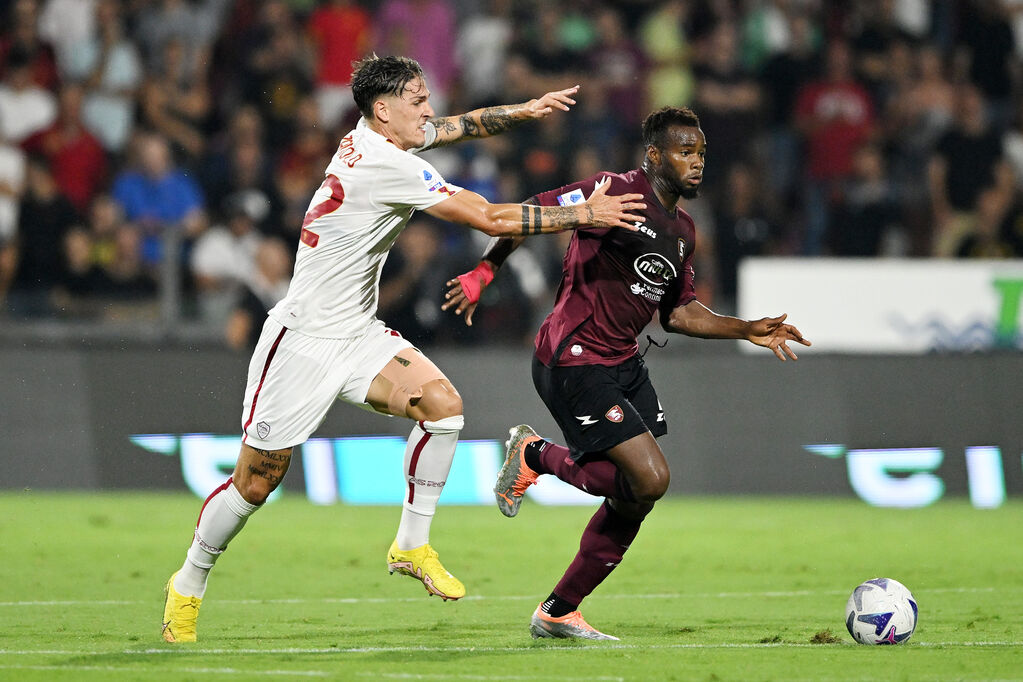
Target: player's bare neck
{"points": [[667, 198], [381, 129]]}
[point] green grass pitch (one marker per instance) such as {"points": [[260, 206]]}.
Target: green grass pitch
{"points": [[712, 589]]}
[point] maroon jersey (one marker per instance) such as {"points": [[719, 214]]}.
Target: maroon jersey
{"points": [[614, 281]]}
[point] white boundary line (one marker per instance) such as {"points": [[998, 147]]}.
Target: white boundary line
{"points": [[397, 600], [525, 648], [198, 671]]}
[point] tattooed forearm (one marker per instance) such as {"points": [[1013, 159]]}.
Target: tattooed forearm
{"points": [[496, 120], [562, 215], [531, 220], [445, 126], [469, 126]]}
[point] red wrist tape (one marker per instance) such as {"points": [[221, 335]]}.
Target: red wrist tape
{"points": [[474, 281]]}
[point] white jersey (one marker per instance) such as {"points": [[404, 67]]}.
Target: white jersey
{"points": [[371, 190]]}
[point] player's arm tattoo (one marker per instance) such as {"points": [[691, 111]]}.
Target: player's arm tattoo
{"points": [[469, 126], [496, 120], [558, 218], [477, 123], [445, 126], [531, 220], [271, 466]]}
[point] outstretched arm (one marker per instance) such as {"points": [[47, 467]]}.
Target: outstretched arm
{"points": [[495, 120], [695, 319], [513, 220]]}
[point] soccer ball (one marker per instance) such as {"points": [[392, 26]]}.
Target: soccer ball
{"points": [[881, 611]]}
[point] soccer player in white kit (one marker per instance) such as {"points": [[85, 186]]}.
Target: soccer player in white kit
{"points": [[322, 342]]}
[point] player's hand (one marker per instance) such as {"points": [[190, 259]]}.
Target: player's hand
{"points": [[614, 210], [456, 299], [466, 290], [543, 107], [773, 333]]}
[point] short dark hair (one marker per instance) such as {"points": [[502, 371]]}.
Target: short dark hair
{"points": [[374, 76], [656, 125]]}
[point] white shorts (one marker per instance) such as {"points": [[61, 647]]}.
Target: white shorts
{"points": [[294, 379]]}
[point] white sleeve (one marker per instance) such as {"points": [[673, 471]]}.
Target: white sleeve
{"points": [[412, 181]]}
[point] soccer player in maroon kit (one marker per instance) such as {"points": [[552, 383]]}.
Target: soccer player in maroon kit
{"points": [[587, 368]]}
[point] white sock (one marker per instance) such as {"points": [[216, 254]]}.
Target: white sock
{"points": [[428, 455], [222, 516]]}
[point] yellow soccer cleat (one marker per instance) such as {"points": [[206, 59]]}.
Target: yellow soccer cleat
{"points": [[422, 564], [179, 614]]}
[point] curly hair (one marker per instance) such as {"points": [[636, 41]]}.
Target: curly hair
{"points": [[656, 125]]}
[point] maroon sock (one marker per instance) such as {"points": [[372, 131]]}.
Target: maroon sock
{"points": [[607, 536], [595, 475]]}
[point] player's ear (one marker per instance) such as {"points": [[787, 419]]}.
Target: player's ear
{"points": [[381, 111], [653, 153]]}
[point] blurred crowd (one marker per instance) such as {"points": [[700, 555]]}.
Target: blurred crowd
{"points": [[137, 134]]}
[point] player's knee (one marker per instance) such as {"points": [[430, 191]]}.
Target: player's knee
{"points": [[255, 490], [440, 400], [652, 486]]}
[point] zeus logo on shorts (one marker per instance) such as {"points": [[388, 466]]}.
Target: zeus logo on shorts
{"points": [[615, 414]]}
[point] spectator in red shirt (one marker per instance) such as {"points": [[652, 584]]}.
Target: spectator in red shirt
{"points": [[835, 116], [341, 33], [77, 158]]}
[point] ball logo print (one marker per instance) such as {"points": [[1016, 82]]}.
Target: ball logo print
{"points": [[881, 611]]}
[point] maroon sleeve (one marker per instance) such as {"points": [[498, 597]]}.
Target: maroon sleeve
{"points": [[554, 197], [550, 198]]}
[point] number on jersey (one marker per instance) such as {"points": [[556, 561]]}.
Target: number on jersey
{"points": [[328, 205]]}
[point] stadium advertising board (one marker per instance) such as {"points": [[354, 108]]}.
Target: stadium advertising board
{"points": [[890, 306], [902, 431]]}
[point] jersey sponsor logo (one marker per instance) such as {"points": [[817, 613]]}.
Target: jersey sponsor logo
{"points": [[586, 420], [681, 248], [647, 291], [262, 429], [644, 229], [615, 414], [573, 197], [653, 268]]}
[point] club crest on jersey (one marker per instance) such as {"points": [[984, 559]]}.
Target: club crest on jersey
{"points": [[615, 414], [573, 197], [681, 248], [262, 429]]}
